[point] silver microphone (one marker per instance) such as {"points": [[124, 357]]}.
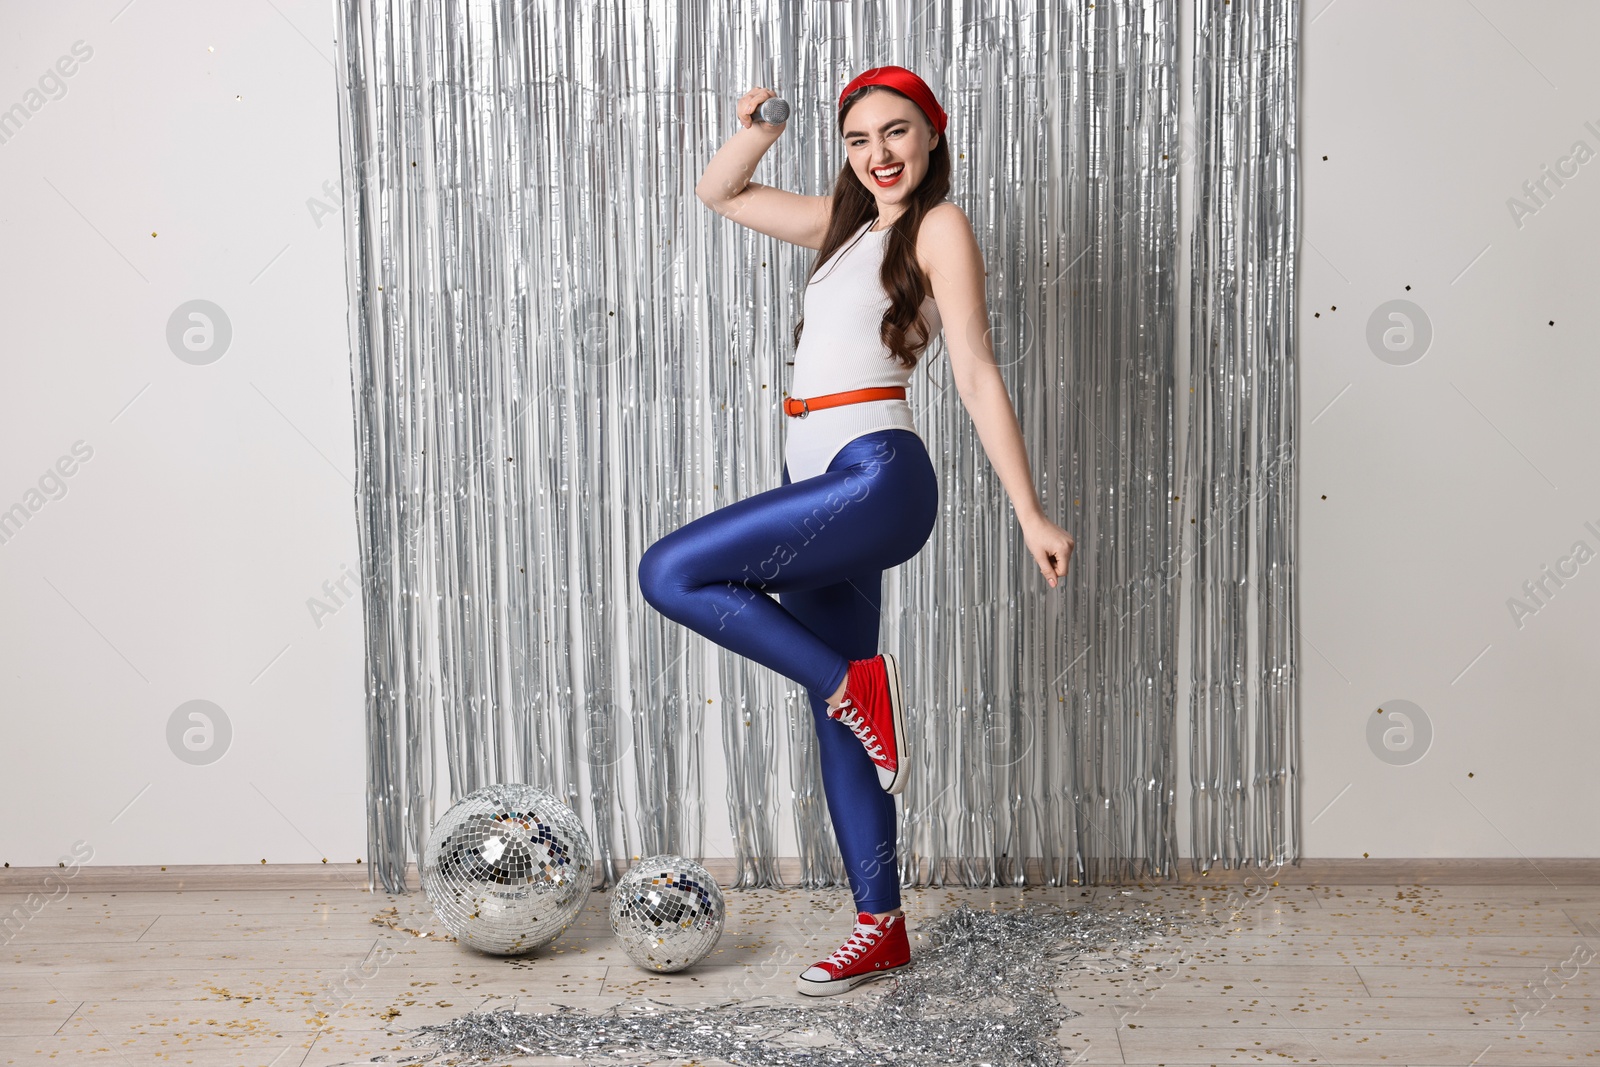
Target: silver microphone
{"points": [[773, 111]]}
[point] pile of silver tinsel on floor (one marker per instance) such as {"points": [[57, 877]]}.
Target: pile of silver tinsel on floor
{"points": [[981, 990]]}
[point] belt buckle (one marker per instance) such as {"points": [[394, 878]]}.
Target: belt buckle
{"points": [[805, 409]]}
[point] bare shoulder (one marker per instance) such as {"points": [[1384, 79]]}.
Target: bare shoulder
{"points": [[945, 239], [946, 220]]}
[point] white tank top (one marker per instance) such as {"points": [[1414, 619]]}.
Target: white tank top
{"points": [[840, 349]]}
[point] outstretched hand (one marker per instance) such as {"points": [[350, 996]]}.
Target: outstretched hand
{"points": [[1051, 547]]}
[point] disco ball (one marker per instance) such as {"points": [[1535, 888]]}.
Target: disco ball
{"points": [[507, 868], [668, 912]]}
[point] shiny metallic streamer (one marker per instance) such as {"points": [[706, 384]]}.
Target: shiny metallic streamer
{"points": [[1239, 470], [559, 355], [1047, 715], [981, 990], [482, 355]]}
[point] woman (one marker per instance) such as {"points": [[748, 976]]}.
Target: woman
{"points": [[859, 494]]}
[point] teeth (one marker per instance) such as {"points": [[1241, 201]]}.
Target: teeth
{"points": [[890, 171]]}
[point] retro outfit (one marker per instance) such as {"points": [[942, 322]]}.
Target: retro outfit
{"points": [[840, 351], [859, 495]]}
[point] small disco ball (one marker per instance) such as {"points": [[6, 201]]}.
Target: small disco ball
{"points": [[668, 912], [507, 868]]}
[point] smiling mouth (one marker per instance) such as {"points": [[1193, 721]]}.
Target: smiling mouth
{"points": [[888, 175]]}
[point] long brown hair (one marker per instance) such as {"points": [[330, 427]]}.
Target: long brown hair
{"points": [[902, 278]]}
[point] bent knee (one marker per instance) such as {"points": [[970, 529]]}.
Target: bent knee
{"points": [[651, 574], [662, 578]]}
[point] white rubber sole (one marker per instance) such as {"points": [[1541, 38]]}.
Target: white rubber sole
{"points": [[902, 766], [842, 985]]}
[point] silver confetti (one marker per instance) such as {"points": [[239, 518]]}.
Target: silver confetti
{"points": [[981, 990]]}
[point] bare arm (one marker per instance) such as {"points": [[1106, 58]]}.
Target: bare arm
{"points": [[730, 169], [726, 188], [955, 268]]}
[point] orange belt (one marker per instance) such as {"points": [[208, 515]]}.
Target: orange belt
{"points": [[800, 408]]}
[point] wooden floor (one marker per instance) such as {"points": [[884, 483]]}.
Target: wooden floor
{"points": [[1418, 965]]}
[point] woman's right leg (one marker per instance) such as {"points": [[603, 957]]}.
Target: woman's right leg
{"points": [[872, 509]]}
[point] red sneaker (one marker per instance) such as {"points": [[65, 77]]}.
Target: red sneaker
{"points": [[871, 707], [875, 949]]}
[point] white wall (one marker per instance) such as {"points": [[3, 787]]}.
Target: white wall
{"points": [[217, 498], [1452, 480], [178, 562]]}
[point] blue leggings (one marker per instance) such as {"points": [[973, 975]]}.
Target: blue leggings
{"points": [[822, 544]]}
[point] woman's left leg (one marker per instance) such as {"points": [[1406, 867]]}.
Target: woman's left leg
{"points": [[863, 815]]}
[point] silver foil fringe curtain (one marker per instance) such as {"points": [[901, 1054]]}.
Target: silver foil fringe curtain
{"points": [[559, 355], [1240, 460]]}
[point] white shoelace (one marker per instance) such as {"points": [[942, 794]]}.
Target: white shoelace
{"points": [[859, 941], [850, 715]]}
